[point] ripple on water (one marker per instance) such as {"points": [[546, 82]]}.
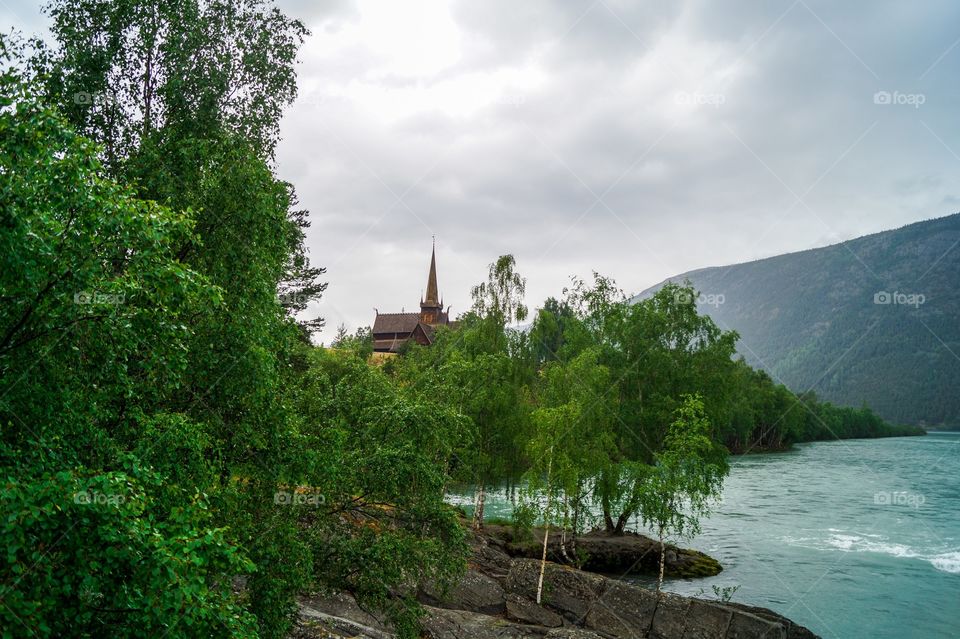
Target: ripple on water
{"points": [[947, 562], [872, 543]]}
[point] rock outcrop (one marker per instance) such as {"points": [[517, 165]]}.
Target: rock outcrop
{"points": [[496, 599], [612, 554]]}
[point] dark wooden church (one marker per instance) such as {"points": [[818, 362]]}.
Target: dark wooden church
{"points": [[392, 330]]}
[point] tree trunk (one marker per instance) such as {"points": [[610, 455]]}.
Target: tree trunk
{"points": [[602, 485], [563, 531], [546, 531], [575, 526], [478, 502], [543, 561], [622, 522], [607, 516], [662, 559]]}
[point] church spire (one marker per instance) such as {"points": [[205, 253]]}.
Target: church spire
{"points": [[432, 295]]}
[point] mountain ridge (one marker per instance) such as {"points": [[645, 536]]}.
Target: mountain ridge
{"points": [[871, 320]]}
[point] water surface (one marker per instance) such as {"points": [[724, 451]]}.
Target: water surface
{"points": [[856, 538]]}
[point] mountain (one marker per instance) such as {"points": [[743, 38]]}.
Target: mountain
{"points": [[874, 320]]}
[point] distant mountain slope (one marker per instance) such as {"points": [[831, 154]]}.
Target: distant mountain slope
{"points": [[874, 320]]}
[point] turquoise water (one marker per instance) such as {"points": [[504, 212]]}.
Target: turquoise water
{"points": [[857, 538]]}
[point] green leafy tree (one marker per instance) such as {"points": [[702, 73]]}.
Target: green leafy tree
{"points": [[551, 428], [569, 446], [501, 296], [585, 447], [184, 98], [481, 369], [94, 326], [379, 456], [665, 350], [132, 73], [686, 477]]}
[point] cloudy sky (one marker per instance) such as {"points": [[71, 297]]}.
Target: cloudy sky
{"points": [[639, 139]]}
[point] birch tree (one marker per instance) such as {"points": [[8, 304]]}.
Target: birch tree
{"points": [[686, 478]]}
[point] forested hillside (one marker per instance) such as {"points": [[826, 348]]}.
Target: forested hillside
{"points": [[870, 321]]}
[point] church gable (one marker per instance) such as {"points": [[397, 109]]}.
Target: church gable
{"points": [[392, 330], [423, 334]]}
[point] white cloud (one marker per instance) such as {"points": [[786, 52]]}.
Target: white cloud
{"points": [[496, 125]]}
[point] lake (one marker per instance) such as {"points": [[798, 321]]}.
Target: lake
{"points": [[855, 538]]}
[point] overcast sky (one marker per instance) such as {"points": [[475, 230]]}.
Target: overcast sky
{"points": [[637, 139]]}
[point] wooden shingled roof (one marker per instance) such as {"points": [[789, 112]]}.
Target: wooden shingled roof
{"points": [[395, 322]]}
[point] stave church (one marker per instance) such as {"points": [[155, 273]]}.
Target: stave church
{"points": [[392, 330]]}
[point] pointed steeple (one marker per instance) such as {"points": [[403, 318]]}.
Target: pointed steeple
{"points": [[431, 308], [432, 296]]}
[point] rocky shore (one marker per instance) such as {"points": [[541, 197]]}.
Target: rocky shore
{"points": [[496, 599], [618, 555]]}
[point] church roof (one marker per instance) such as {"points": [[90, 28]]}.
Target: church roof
{"points": [[392, 330], [433, 297], [395, 322]]}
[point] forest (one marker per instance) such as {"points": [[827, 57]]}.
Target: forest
{"points": [[812, 321], [181, 460]]}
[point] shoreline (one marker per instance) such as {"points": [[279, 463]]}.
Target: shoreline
{"points": [[497, 598], [758, 450], [601, 553]]}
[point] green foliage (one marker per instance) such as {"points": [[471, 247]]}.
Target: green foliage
{"points": [[130, 70], [95, 302], [686, 476], [92, 554], [480, 369], [184, 99], [725, 593], [572, 441], [180, 462], [767, 416], [177, 388], [95, 333], [654, 352], [380, 452], [361, 342], [810, 319], [501, 296]]}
